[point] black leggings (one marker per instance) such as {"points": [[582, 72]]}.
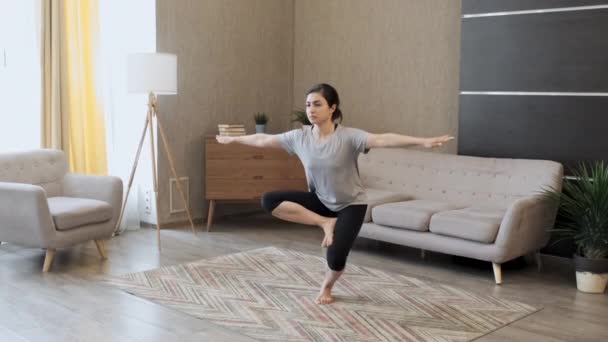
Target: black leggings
{"points": [[347, 228]]}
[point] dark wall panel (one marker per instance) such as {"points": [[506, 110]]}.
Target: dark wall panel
{"points": [[567, 129], [487, 6], [554, 52]]}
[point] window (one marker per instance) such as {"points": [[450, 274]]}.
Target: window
{"points": [[126, 27], [20, 74]]}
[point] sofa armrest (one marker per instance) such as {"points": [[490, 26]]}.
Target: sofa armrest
{"points": [[525, 226], [25, 218]]}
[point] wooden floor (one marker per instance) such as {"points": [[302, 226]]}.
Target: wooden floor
{"points": [[69, 304]]}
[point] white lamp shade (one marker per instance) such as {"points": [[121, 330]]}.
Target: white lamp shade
{"points": [[152, 72]]}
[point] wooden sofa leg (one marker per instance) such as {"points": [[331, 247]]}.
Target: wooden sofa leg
{"points": [[422, 253], [101, 249], [48, 259], [497, 273]]}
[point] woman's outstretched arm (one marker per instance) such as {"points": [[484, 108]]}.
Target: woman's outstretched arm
{"points": [[398, 140], [256, 140]]}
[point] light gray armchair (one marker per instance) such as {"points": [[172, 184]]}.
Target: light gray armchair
{"points": [[43, 205]]}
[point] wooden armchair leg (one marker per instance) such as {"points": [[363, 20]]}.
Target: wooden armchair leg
{"points": [[101, 249], [48, 259], [497, 273]]}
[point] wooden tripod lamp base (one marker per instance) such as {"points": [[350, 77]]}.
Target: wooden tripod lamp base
{"points": [[153, 73]]}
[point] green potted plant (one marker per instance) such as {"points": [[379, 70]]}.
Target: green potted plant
{"points": [[261, 119], [301, 117], [583, 205]]}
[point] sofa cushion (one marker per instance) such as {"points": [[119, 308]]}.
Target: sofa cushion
{"points": [[473, 223], [376, 197], [414, 214], [72, 212]]}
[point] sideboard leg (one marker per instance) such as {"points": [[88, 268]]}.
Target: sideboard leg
{"points": [[210, 214]]}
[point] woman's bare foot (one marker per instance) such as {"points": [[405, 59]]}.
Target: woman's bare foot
{"points": [[325, 296], [328, 227]]}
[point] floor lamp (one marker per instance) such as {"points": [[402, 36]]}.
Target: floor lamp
{"points": [[152, 74]]}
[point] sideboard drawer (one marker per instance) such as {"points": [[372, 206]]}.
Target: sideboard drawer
{"points": [[254, 169], [227, 189], [215, 150]]}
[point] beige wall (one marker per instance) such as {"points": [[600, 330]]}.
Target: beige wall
{"points": [[395, 63], [235, 58]]}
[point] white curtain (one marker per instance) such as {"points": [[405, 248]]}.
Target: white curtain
{"points": [[20, 74], [126, 27]]}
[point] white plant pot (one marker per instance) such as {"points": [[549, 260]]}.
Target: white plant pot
{"points": [[591, 282], [260, 128]]}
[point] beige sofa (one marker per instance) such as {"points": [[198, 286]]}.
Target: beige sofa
{"points": [[43, 205], [482, 208]]}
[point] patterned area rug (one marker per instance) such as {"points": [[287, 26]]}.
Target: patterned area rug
{"points": [[268, 294]]}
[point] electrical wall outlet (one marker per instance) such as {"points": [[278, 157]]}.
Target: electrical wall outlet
{"points": [[146, 204], [176, 204], [148, 201]]}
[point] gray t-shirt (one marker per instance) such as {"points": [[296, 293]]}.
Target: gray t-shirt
{"points": [[331, 165]]}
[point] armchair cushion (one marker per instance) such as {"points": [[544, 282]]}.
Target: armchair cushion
{"points": [[72, 212]]}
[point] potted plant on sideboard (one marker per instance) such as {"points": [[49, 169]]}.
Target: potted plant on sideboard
{"points": [[583, 204], [261, 119], [301, 117]]}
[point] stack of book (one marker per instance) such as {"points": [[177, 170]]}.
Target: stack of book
{"points": [[231, 130]]}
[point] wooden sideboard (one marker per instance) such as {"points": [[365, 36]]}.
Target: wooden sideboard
{"points": [[239, 172]]}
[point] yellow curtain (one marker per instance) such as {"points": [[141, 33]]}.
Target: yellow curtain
{"points": [[54, 127], [73, 31]]}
